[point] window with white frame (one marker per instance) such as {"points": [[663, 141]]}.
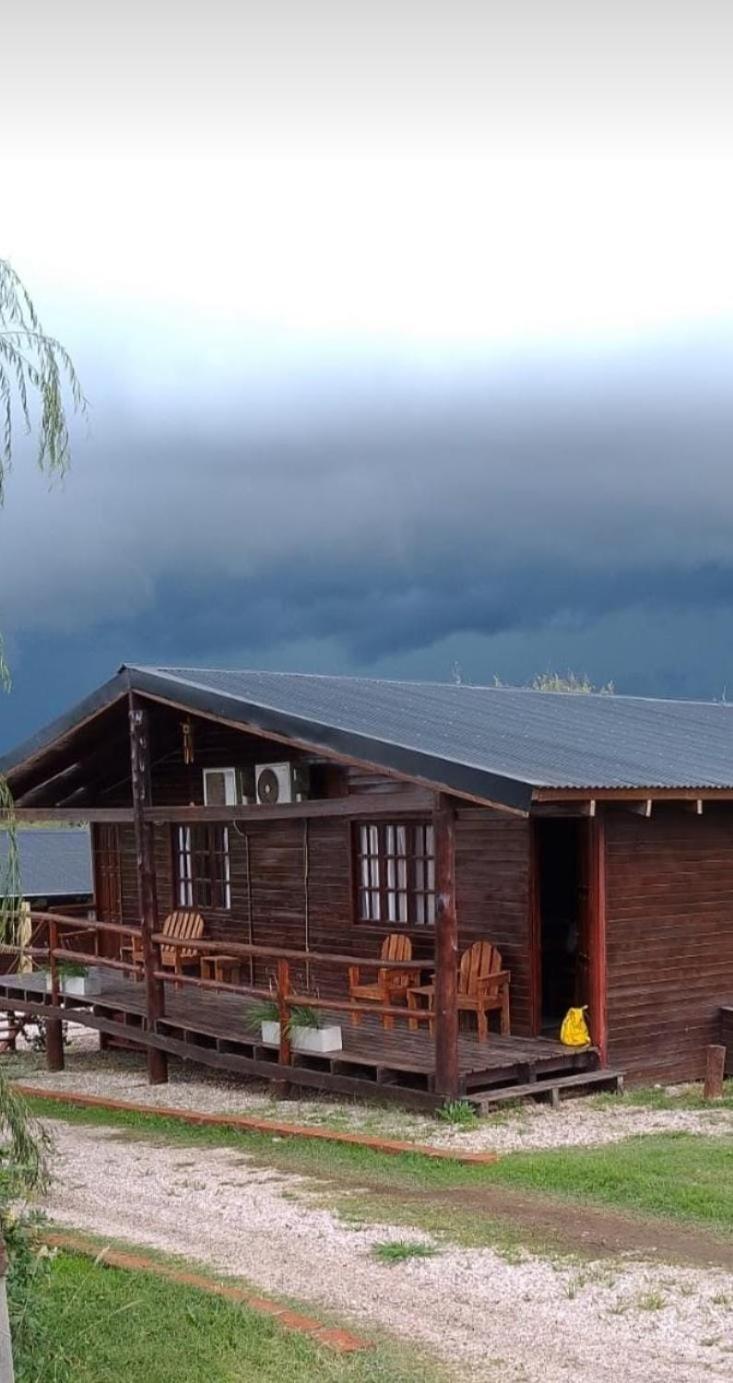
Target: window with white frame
{"points": [[395, 873], [203, 868]]}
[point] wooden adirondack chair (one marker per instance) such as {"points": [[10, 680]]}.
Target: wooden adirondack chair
{"points": [[390, 986], [482, 987], [184, 924]]}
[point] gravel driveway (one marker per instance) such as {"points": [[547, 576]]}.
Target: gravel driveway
{"points": [[527, 1322]]}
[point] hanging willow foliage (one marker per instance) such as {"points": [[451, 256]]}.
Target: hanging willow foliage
{"points": [[36, 376], [35, 372]]}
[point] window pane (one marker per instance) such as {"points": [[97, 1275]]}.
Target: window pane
{"points": [[203, 868], [395, 873]]}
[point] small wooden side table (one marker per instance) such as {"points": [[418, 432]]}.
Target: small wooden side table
{"points": [[225, 969]]}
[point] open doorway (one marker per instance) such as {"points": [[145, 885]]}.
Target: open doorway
{"points": [[562, 895]]}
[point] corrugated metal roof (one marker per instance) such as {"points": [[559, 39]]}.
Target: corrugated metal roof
{"points": [[495, 743], [543, 739], [53, 863]]}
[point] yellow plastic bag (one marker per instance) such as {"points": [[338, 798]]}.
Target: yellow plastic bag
{"points": [[574, 1031]]}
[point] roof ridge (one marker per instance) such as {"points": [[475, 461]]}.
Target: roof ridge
{"points": [[170, 670]]}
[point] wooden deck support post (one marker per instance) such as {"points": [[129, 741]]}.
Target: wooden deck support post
{"points": [[714, 1072], [142, 798], [446, 951], [54, 1045]]}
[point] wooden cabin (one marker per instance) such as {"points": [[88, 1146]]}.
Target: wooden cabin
{"points": [[306, 819]]}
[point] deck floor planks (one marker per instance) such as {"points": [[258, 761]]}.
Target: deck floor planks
{"points": [[223, 1018]]}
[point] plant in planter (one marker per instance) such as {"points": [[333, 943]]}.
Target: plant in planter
{"points": [[306, 1029], [77, 980]]}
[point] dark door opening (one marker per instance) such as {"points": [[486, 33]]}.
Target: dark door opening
{"points": [[562, 907]]}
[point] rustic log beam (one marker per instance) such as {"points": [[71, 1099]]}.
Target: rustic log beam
{"points": [[109, 816], [446, 950], [696, 807], [141, 798], [643, 808], [356, 806]]}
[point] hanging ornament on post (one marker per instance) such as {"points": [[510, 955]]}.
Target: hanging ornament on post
{"points": [[187, 733]]}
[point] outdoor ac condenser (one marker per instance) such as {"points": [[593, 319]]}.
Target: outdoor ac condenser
{"points": [[280, 783]]}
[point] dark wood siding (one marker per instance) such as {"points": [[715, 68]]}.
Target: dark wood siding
{"points": [[272, 903], [669, 911], [493, 882]]}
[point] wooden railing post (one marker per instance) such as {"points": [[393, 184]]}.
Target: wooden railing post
{"points": [[54, 1028], [446, 951], [141, 800], [283, 990]]}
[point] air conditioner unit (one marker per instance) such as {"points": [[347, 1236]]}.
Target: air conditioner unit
{"points": [[280, 783], [222, 787]]}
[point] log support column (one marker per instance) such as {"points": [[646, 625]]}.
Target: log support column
{"points": [[446, 951], [54, 1045], [142, 799]]}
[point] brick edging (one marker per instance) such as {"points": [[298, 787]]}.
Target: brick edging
{"points": [[342, 1341], [252, 1125]]}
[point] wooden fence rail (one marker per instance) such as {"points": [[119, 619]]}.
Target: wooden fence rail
{"points": [[281, 991]]}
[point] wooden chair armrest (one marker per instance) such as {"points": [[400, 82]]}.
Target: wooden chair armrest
{"points": [[402, 978], [501, 978]]}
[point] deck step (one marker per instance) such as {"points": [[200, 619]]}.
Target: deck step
{"points": [[590, 1081]]}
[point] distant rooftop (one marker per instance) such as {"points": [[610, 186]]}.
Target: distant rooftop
{"points": [[53, 862]]}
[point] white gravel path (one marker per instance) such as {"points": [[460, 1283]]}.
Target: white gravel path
{"points": [[528, 1322], [531, 1126]]}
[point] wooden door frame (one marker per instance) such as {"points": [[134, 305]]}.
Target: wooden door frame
{"points": [[593, 843]]}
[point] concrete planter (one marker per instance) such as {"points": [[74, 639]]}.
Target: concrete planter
{"points": [[79, 986], [318, 1040]]}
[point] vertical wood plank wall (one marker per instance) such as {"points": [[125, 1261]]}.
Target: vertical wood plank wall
{"points": [[669, 920], [492, 865], [492, 876]]}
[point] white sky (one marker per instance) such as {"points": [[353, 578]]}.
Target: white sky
{"points": [[437, 177], [441, 259]]}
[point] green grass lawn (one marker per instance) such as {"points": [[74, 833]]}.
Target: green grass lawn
{"points": [[677, 1175], [109, 1325]]}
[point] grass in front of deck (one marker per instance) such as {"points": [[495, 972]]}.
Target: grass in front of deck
{"points": [[102, 1325]]}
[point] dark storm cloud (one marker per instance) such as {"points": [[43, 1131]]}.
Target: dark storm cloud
{"points": [[384, 510]]}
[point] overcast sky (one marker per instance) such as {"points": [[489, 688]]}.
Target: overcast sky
{"points": [[408, 337]]}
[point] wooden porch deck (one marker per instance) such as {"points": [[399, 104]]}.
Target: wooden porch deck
{"points": [[212, 1028]]}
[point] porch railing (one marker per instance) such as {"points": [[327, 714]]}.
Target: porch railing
{"points": [[60, 931]]}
